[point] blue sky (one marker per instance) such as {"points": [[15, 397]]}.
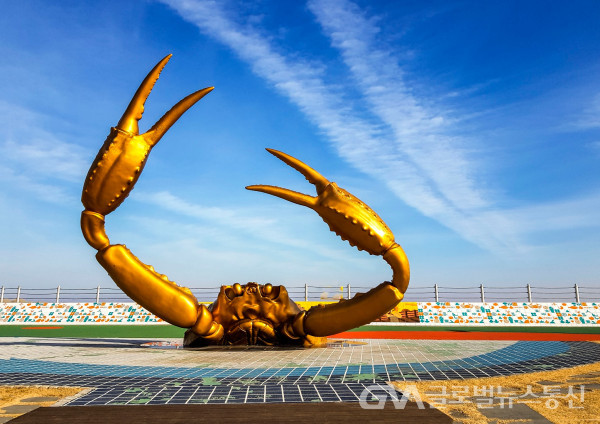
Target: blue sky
{"points": [[472, 128]]}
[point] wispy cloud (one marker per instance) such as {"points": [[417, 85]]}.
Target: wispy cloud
{"points": [[590, 117], [566, 214], [419, 132], [219, 215], [34, 159], [46, 156], [41, 191], [423, 167], [243, 221]]}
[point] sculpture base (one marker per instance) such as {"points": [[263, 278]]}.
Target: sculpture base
{"points": [[191, 340]]}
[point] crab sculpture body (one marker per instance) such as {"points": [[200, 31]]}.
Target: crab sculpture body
{"points": [[254, 314], [242, 314]]}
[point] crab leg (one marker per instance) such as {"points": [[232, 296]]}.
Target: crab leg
{"points": [[109, 181], [355, 222]]}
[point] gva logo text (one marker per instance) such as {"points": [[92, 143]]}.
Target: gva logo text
{"points": [[375, 396]]}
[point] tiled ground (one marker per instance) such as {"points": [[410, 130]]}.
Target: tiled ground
{"points": [[125, 372]]}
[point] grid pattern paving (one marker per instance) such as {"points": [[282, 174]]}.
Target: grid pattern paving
{"points": [[340, 372]]}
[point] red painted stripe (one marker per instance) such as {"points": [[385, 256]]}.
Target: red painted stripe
{"points": [[463, 335], [41, 328]]}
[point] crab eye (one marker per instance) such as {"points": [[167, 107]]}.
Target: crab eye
{"points": [[229, 293], [234, 291], [267, 289]]}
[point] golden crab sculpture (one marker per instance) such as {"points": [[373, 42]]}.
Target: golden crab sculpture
{"points": [[242, 314]]}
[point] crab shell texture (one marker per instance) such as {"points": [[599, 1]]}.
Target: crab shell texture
{"points": [[120, 147], [254, 314], [353, 220]]}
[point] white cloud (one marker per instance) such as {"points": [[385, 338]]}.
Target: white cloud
{"points": [[420, 133], [48, 157], [37, 151], [589, 118], [242, 221], [568, 214], [41, 191], [35, 160], [429, 175], [408, 146]]}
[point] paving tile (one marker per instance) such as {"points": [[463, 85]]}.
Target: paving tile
{"points": [[125, 373], [587, 387], [19, 409], [549, 383], [41, 399], [588, 375], [517, 411]]}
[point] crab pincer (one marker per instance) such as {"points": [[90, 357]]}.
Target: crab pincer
{"points": [[354, 221], [121, 159]]}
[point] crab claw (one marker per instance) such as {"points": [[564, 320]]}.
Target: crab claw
{"points": [[110, 179], [354, 221], [346, 215], [121, 159]]}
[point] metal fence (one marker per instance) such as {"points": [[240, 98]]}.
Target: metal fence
{"points": [[434, 293]]}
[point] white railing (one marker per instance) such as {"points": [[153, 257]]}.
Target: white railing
{"points": [[434, 293]]}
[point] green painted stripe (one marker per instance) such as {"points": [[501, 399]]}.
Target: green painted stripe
{"points": [[170, 331], [94, 331]]}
